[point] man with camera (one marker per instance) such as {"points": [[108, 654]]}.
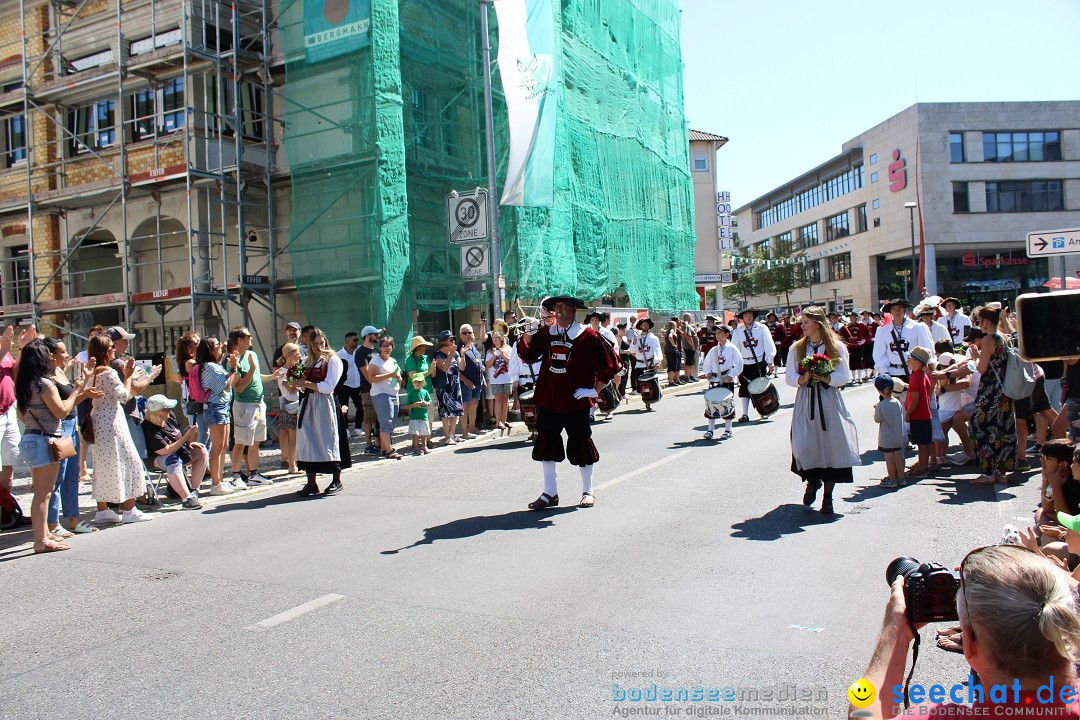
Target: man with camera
{"points": [[1019, 626]]}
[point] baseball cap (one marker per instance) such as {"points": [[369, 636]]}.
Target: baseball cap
{"points": [[369, 330], [1070, 521], [118, 333], [159, 402], [417, 378], [294, 325]]}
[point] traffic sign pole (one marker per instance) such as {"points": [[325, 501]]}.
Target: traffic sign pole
{"points": [[493, 198]]}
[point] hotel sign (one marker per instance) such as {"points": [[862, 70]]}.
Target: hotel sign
{"points": [[724, 233]]}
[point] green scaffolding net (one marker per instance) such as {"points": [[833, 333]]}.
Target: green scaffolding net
{"points": [[384, 120]]}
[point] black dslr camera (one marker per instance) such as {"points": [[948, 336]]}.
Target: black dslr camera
{"points": [[929, 589]]}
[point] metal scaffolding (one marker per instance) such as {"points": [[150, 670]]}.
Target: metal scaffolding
{"points": [[140, 104]]}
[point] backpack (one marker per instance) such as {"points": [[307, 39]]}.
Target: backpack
{"points": [[196, 391], [1019, 380]]}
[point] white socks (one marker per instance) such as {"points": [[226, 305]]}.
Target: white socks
{"points": [[727, 425], [551, 485], [745, 405], [586, 479], [712, 424]]}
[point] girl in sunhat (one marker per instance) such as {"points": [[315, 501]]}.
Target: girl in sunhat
{"points": [[418, 400]]}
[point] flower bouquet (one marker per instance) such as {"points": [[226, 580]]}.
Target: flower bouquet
{"points": [[297, 372], [818, 365]]}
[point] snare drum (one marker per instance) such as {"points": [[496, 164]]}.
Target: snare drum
{"points": [[719, 402], [608, 399], [528, 408], [764, 396], [649, 387]]}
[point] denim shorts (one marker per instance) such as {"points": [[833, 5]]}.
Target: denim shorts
{"points": [[386, 407], [35, 450], [470, 394], [214, 414], [164, 462]]}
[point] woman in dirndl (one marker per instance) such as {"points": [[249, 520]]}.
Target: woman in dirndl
{"points": [[824, 444], [317, 444]]}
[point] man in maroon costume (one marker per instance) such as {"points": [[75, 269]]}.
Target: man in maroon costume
{"points": [[575, 365]]}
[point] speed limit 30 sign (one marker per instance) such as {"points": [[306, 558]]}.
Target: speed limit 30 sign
{"points": [[467, 216]]}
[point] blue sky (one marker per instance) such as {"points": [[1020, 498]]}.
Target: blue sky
{"points": [[788, 82]]}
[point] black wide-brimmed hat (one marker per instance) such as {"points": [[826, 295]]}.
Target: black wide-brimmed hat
{"points": [[638, 324], [549, 303], [750, 310], [888, 304], [946, 301], [598, 314]]}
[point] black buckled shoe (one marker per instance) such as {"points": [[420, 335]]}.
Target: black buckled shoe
{"points": [[544, 502], [811, 492], [333, 488], [826, 506], [308, 491]]}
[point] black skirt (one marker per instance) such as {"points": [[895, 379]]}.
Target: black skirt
{"points": [[823, 475]]}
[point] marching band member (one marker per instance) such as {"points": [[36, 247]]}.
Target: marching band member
{"points": [[892, 341], [955, 321], [722, 365], [707, 334], [856, 337], [646, 349], [596, 320], [779, 336], [755, 343], [926, 314], [575, 364]]}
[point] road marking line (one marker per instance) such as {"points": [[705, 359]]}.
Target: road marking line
{"points": [[296, 612], [647, 468]]}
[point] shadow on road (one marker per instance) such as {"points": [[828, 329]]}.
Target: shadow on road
{"points": [[258, 503], [784, 520], [480, 524]]}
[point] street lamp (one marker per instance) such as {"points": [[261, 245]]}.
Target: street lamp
{"points": [[914, 272]]}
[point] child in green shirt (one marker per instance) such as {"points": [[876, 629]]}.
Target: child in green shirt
{"points": [[417, 401]]}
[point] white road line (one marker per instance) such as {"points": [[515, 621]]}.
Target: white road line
{"points": [[296, 612], [647, 468]]}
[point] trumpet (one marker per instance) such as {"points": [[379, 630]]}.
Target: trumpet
{"points": [[527, 324]]}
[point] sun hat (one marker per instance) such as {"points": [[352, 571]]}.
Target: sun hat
{"points": [[549, 303], [444, 336], [158, 402], [416, 342], [921, 354]]}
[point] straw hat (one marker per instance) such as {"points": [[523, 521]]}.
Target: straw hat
{"points": [[418, 341]]}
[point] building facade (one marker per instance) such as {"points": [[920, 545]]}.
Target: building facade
{"points": [[712, 218], [937, 199]]}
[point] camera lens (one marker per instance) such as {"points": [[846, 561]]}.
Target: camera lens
{"points": [[901, 567]]}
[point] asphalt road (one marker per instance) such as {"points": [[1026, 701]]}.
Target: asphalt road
{"points": [[427, 590]]}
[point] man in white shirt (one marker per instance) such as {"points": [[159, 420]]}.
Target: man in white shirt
{"points": [[350, 390], [646, 350], [755, 344], [722, 365], [893, 341], [955, 321], [926, 314]]}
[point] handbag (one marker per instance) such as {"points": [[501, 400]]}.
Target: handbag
{"points": [[60, 447], [87, 427]]}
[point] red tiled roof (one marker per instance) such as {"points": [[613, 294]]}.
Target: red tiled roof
{"points": [[698, 135]]}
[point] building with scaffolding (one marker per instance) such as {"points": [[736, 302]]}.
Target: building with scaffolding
{"points": [[176, 164]]}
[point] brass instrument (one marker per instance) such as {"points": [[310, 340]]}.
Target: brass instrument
{"points": [[542, 318]]}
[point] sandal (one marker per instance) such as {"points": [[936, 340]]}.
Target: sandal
{"points": [[392, 455], [951, 639], [587, 500], [544, 502], [82, 527], [61, 533], [982, 480]]}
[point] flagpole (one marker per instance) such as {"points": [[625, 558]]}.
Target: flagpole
{"points": [[493, 198]]}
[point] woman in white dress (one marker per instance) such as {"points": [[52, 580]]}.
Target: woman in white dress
{"points": [[118, 469], [824, 444], [317, 448]]}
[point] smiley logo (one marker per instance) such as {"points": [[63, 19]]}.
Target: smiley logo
{"points": [[862, 693]]}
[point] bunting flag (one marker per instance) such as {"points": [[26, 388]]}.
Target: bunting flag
{"points": [[528, 70]]}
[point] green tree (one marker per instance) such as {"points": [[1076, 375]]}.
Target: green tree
{"points": [[786, 274]]}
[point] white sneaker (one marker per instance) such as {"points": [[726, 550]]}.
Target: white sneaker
{"points": [[237, 483], [259, 479], [354, 434], [135, 515], [223, 489], [958, 458], [108, 515]]}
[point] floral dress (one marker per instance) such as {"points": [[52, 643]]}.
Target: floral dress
{"points": [[993, 424], [118, 469], [450, 404]]}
